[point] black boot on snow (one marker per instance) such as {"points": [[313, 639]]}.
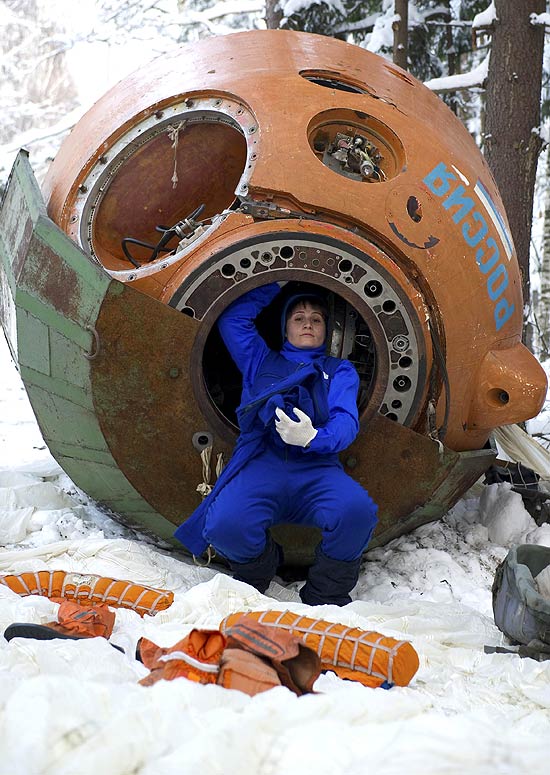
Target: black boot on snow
{"points": [[259, 571], [330, 581]]}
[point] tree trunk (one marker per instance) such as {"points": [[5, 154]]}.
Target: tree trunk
{"points": [[401, 33], [273, 14], [543, 306], [511, 146], [454, 101]]}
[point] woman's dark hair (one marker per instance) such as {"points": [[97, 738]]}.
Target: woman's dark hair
{"points": [[313, 300]]}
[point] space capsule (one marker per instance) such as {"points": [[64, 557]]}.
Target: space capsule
{"points": [[233, 162]]}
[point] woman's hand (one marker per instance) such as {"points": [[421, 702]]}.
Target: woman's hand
{"points": [[300, 433]]}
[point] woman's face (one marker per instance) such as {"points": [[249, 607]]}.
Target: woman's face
{"points": [[306, 326]]}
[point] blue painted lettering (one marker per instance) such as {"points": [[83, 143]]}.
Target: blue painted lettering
{"points": [[444, 183], [475, 239], [455, 199], [487, 265], [496, 290], [441, 174], [503, 312]]}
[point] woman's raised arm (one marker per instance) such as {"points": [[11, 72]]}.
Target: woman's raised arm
{"points": [[239, 332]]}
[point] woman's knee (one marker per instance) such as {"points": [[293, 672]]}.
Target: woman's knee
{"points": [[357, 511], [233, 538], [348, 530]]}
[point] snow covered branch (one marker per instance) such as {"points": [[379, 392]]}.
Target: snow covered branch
{"points": [[541, 19], [474, 78], [362, 25], [485, 19]]}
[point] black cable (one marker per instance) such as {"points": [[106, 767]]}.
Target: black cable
{"points": [[168, 232], [142, 244], [442, 431], [127, 253]]}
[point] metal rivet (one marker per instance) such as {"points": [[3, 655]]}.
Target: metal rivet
{"points": [[202, 439]]}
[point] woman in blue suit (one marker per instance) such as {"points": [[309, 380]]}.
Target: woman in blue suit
{"points": [[298, 411]]}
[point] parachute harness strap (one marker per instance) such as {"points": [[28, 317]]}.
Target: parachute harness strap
{"points": [[438, 434]]}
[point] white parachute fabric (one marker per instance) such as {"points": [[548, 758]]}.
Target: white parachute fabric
{"points": [[80, 709], [523, 448]]}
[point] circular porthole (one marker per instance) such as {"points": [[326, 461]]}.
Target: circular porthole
{"points": [[179, 167], [356, 145]]}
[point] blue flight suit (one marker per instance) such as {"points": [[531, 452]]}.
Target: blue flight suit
{"points": [[268, 482]]}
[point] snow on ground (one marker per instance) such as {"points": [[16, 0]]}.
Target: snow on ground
{"points": [[73, 708]]}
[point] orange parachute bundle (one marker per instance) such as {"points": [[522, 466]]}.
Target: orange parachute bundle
{"points": [[358, 655], [248, 657], [89, 589], [195, 657]]}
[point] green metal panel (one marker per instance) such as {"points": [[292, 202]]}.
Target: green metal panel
{"points": [[55, 293], [34, 342]]}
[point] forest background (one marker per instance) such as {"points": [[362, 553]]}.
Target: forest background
{"points": [[487, 61]]}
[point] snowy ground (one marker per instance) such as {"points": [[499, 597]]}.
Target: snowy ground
{"points": [[74, 708]]}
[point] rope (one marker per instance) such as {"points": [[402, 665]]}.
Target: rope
{"points": [[205, 488], [181, 656], [440, 358], [433, 433], [220, 464], [210, 554], [173, 134]]}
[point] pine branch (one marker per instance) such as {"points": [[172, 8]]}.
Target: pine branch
{"points": [[363, 25]]}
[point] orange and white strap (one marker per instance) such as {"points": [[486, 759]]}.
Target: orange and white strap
{"points": [[182, 656]]}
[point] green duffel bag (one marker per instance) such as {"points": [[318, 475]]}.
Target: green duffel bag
{"points": [[520, 611]]}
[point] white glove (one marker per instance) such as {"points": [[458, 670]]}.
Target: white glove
{"points": [[299, 434]]}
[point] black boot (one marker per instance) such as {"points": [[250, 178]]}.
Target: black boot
{"points": [[330, 581], [259, 571]]}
